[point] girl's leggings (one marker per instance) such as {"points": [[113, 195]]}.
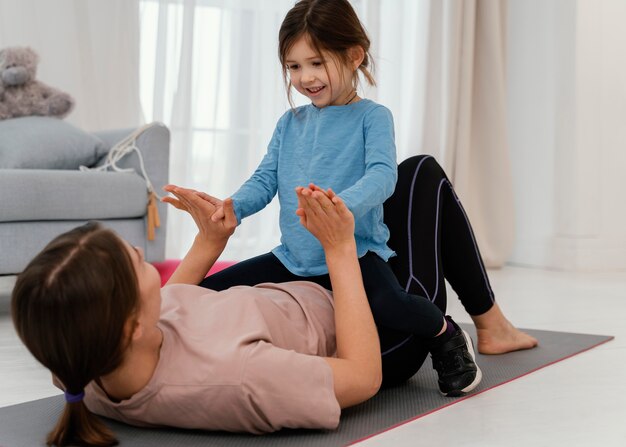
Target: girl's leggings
{"points": [[433, 239]]}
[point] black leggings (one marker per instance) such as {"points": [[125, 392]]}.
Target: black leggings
{"points": [[433, 240]]}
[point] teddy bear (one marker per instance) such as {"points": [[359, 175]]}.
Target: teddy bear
{"points": [[21, 94]]}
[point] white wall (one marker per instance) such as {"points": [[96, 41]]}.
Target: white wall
{"points": [[567, 131]]}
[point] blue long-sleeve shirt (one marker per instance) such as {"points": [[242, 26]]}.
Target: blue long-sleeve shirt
{"points": [[350, 149]]}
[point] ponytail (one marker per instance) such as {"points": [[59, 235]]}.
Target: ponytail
{"points": [[79, 426], [69, 307]]}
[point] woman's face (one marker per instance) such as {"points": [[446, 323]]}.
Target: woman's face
{"points": [[149, 284]]}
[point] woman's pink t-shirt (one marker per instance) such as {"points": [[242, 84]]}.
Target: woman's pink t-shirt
{"points": [[244, 359]]}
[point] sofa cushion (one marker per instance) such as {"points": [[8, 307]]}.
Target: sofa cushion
{"points": [[33, 195], [38, 142], [21, 241]]}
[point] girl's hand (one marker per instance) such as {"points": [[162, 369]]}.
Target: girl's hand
{"points": [[219, 213], [325, 215], [202, 207]]}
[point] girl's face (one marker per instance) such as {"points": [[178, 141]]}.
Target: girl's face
{"points": [[149, 282], [321, 78]]}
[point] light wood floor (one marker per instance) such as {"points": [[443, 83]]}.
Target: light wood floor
{"points": [[577, 402]]}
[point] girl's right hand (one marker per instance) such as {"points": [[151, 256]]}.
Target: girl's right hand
{"points": [[217, 203], [218, 214]]}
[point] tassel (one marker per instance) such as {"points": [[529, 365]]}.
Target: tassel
{"points": [[154, 220]]}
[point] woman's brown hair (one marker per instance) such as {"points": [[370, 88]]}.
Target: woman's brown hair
{"points": [[328, 25], [69, 307]]}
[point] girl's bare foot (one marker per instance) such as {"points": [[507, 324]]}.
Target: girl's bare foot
{"points": [[496, 335]]}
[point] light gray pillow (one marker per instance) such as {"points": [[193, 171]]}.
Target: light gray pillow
{"points": [[39, 142]]}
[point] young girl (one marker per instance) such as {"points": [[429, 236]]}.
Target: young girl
{"points": [[346, 143], [253, 359]]}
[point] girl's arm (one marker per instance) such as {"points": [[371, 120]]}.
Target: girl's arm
{"points": [[357, 370], [255, 193], [211, 238], [261, 187], [381, 170]]}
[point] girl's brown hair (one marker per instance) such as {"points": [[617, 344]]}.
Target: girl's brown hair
{"points": [[70, 307], [328, 25]]}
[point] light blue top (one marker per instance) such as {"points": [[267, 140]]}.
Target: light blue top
{"points": [[348, 148]]}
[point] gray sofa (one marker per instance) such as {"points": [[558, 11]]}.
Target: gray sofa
{"points": [[38, 204]]}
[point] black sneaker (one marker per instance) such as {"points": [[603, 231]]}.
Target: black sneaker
{"points": [[455, 362]]}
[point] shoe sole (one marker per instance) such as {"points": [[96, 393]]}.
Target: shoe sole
{"points": [[479, 374]]}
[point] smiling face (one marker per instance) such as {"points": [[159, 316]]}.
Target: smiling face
{"points": [[320, 77]]}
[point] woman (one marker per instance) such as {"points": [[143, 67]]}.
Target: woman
{"points": [[253, 359]]}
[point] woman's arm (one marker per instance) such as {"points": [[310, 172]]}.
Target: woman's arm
{"points": [[211, 238], [357, 370]]}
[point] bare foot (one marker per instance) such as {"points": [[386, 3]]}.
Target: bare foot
{"points": [[503, 340], [496, 335]]}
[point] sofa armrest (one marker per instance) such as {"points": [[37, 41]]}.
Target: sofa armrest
{"points": [[154, 145]]}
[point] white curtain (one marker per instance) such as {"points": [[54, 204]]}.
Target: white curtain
{"points": [[210, 71], [87, 48], [472, 131]]}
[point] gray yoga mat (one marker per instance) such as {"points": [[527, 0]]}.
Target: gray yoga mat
{"points": [[26, 425]]}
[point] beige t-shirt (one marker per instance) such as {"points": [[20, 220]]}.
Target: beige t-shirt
{"points": [[244, 359]]}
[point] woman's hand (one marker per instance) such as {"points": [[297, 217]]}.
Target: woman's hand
{"points": [[211, 238], [202, 207], [217, 215], [325, 215]]}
